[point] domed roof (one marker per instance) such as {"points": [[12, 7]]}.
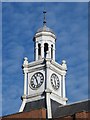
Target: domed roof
{"points": [[45, 29]]}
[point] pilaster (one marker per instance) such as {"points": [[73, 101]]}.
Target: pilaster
{"points": [[25, 69]]}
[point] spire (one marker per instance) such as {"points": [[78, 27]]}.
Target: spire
{"points": [[44, 21]]}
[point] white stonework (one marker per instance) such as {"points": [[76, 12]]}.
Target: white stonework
{"points": [[46, 66], [42, 38]]}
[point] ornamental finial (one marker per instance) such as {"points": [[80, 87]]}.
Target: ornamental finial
{"points": [[44, 21], [25, 61]]}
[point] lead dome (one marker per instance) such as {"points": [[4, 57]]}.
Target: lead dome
{"points": [[45, 29]]}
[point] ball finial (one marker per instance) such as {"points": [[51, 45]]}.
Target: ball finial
{"points": [[63, 62], [25, 60]]}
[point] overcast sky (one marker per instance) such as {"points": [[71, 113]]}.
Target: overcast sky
{"points": [[20, 21]]}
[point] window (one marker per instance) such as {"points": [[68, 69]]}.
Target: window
{"points": [[45, 49], [39, 49], [51, 51]]}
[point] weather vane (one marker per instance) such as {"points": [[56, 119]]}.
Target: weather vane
{"points": [[44, 21]]}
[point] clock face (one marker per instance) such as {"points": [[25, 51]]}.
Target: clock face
{"points": [[55, 81], [36, 80]]}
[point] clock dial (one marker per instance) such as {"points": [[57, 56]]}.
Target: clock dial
{"points": [[36, 80], [55, 81]]}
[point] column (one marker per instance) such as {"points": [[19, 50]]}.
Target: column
{"points": [[42, 50], [49, 49], [53, 51], [36, 51]]}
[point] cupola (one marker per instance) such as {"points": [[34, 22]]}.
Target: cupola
{"points": [[44, 40]]}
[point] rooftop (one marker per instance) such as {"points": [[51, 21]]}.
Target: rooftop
{"points": [[61, 111], [45, 29]]}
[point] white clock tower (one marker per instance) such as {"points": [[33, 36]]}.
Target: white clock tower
{"points": [[44, 79]]}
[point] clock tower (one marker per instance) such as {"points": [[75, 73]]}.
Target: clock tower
{"points": [[44, 78]]}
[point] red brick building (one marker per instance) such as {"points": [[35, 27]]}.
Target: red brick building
{"points": [[79, 110]]}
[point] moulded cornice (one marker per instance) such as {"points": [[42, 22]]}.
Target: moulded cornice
{"points": [[35, 63], [36, 68], [44, 34], [48, 63], [58, 97], [58, 65], [45, 41], [55, 66], [60, 72], [34, 95]]}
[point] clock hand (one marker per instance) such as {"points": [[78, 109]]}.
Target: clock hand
{"points": [[36, 80], [55, 82]]}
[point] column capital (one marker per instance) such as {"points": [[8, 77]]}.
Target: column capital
{"points": [[42, 45], [49, 45]]}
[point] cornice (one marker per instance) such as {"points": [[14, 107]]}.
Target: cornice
{"points": [[44, 34], [58, 65], [34, 69], [60, 72], [34, 63], [59, 97]]}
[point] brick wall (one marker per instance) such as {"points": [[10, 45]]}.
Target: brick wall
{"points": [[77, 116], [40, 113], [82, 114]]}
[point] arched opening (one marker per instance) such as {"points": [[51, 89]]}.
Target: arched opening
{"points": [[45, 49], [39, 50], [51, 51]]}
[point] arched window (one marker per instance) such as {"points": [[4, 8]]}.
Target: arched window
{"points": [[39, 49], [51, 51], [45, 49]]}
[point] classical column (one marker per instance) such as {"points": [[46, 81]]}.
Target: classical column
{"points": [[53, 51], [36, 51], [42, 50], [49, 49]]}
